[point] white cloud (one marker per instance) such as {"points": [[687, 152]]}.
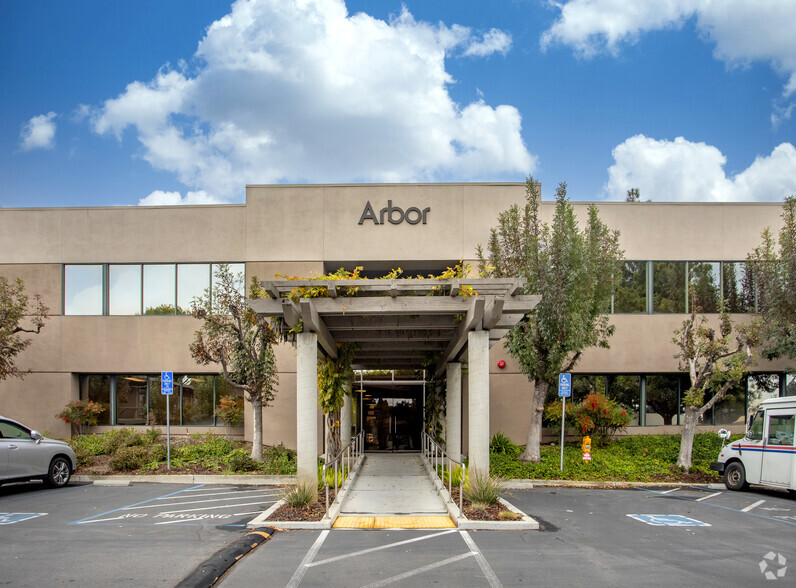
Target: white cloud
{"points": [[682, 170], [161, 198], [38, 132], [301, 91], [495, 41], [742, 30]]}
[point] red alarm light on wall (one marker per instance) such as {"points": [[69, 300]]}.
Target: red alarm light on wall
{"points": [[501, 364]]}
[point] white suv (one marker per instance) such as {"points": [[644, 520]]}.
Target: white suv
{"points": [[28, 455]]}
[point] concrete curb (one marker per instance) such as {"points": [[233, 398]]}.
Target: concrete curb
{"points": [[194, 479], [210, 570], [526, 523]]}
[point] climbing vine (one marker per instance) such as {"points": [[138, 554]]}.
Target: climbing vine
{"points": [[334, 382]]}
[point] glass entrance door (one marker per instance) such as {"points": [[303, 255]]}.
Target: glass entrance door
{"points": [[392, 421]]}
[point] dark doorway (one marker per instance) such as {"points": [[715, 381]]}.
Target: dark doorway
{"points": [[392, 417]]}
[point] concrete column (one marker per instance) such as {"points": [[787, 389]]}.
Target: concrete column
{"points": [[478, 400], [453, 411], [307, 407], [345, 419]]}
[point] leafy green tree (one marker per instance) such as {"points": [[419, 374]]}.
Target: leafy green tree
{"points": [[233, 336], [13, 312], [574, 271], [716, 362], [773, 269], [334, 383]]}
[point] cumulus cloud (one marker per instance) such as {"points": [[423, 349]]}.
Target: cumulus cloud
{"points": [[742, 30], [38, 132], [161, 198], [683, 170], [301, 91], [494, 41]]}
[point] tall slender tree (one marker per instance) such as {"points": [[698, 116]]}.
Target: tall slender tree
{"points": [[240, 341], [573, 270], [14, 308], [773, 286]]}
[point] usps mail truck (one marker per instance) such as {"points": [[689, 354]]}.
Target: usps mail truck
{"points": [[767, 454]]}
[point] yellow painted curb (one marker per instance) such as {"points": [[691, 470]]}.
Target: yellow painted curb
{"points": [[394, 523]]}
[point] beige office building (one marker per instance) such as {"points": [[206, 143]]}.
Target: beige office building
{"points": [[117, 279]]}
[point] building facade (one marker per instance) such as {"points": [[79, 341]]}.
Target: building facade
{"points": [[119, 282]]}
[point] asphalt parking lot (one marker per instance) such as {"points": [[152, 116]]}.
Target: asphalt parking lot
{"points": [[677, 536], [155, 534], [141, 535]]}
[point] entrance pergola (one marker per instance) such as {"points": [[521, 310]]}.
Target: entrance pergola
{"points": [[399, 324]]}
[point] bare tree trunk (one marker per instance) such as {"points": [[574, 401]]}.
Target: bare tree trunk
{"points": [[332, 435], [690, 420], [532, 451], [257, 437]]}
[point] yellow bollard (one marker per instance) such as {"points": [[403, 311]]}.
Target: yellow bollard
{"points": [[586, 448]]}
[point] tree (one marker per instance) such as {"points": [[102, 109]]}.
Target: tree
{"points": [[233, 336], [633, 195], [715, 361], [334, 382], [773, 286], [13, 310], [574, 271]]}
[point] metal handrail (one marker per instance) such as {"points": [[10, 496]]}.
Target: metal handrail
{"points": [[350, 453], [436, 455]]}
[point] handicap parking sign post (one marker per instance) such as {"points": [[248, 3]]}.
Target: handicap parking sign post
{"points": [[167, 389], [564, 391]]}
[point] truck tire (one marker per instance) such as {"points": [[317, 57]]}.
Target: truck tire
{"points": [[735, 476]]}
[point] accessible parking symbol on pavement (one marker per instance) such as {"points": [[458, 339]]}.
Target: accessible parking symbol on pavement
{"points": [[659, 520], [9, 518]]}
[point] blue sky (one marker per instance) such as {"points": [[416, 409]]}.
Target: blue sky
{"points": [[152, 102]]}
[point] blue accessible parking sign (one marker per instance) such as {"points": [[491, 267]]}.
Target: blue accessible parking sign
{"points": [[564, 385], [167, 383]]}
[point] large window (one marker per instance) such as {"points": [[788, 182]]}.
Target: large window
{"points": [[137, 399], [737, 286], [704, 280], [83, 289], [668, 286], [133, 289], [626, 390], [631, 292], [663, 397]]}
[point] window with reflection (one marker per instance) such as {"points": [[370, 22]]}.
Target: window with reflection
{"points": [[124, 289], [197, 395], [193, 280], [662, 399], [83, 290], [236, 269], [98, 389], [626, 390], [790, 385], [731, 410], [131, 400], [157, 404], [738, 291], [704, 283], [582, 386], [668, 286], [224, 388], [631, 292], [160, 289], [761, 387]]}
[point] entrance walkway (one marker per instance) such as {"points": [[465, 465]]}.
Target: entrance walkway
{"points": [[393, 490]]}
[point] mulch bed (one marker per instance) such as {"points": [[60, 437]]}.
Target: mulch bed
{"points": [[490, 513], [313, 512]]}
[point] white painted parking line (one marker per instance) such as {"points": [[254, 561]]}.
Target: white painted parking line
{"points": [[753, 505], [669, 491], [213, 494], [302, 569], [194, 502], [479, 557], [381, 548], [422, 570], [709, 496], [211, 507]]}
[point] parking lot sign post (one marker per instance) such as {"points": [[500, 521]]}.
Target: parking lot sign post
{"points": [[564, 391], [167, 389]]}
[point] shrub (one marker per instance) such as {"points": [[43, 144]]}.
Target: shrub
{"points": [[211, 447], [239, 460], [127, 459], [116, 439], [90, 444], [152, 435], [300, 496], [80, 414], [597, 416], [483, 490], [500, 443], [278, 460], [230, 410], [158, 452]]}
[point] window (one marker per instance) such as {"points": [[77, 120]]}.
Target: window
{"points": [[704, 280], [631, 292], [730, 410], [98, 389], [131, 400], [663, 395], [160, 289], [192, 281], [83, 290], [756, 427], [780, 429], [668, 286], [790, 385], [761, 387], [12, 431], [124, 289], [737, 284], [626, 390], [198, 402]]}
